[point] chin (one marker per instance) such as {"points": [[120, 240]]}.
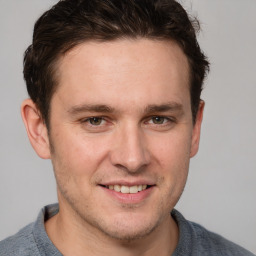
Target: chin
{"points": [[128, 229], [129, 234]]}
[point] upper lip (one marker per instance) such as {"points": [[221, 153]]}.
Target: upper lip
{"points": [[128, 183]]}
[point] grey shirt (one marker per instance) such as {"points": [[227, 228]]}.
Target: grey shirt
{"points": [[194, 240]]}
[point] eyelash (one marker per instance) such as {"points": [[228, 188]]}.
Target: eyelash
{"points": [[87, 120], [166, 121]]}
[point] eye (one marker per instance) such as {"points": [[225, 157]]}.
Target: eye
{"points": [[96, 124], [160, 123], [95, 120], [159, 120]]}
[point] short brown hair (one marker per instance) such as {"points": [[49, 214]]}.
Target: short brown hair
{"points": [[72, 22]]}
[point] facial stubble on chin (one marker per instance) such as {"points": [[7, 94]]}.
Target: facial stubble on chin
{"points": [[62, 180], [99, 224]]}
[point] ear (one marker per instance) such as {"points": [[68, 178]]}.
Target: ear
{"points": [[36, 128], [197, 130]]}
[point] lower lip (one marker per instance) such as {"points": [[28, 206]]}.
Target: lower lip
{"points": [[129, 198]]}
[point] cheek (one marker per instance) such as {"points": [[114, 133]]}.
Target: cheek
{"points": [[171, 150], [173, 156], [75, 161], [77, 153]]}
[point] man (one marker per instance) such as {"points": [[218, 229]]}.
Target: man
{"points": [[115, 104]]}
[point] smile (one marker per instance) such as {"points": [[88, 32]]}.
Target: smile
{"points": [[128, 189], [125, 193]]}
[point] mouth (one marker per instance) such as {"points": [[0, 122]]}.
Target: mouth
{"points": [[127, 189]]}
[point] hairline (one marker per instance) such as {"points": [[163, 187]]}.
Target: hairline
{"points": [[64, 51]]}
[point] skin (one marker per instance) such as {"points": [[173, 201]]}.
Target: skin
{"points": [[143, 133]]}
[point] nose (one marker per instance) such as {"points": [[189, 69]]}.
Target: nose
{"points": [[129, 150]]}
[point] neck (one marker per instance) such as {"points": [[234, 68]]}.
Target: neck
{"points": [[75, 237]]}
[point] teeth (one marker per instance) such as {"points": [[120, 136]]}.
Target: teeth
{"points": [[117, 188], [133, 189], [126, 189]]}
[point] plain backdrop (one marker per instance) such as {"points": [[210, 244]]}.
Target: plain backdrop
{"points": [[221, 188]]}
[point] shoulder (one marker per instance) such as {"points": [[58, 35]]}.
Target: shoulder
{"points": [[22, 243], [32, 240], [197, 240], [210, 241]]}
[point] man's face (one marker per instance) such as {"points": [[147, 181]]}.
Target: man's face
{"points": [[121, 119]]}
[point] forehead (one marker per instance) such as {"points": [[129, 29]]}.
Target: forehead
{"points": [[133, 70], [139, 53]]}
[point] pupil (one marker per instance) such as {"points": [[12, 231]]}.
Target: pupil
{"points": [[158, 120], [95, 120]]}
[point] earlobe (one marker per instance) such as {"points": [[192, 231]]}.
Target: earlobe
{"points": [[36, 128], [197, 130]]}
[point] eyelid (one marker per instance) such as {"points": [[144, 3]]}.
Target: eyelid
{"points": [[168, 118], [106, 123], [104, 126], [87, 119], [92, 116]]}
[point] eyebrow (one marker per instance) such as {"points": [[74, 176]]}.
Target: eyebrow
{"points": [[101, 108], [98, 108], [170, 106]]}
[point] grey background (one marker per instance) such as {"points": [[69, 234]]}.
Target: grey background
{"points": [[220, 192]]}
